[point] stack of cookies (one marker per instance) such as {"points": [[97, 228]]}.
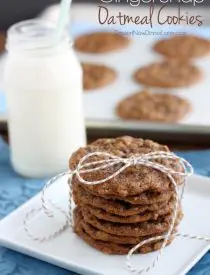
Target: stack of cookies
{"points": [[135, 205]]}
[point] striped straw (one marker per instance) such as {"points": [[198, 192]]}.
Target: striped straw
{"points": [[63, 18]]}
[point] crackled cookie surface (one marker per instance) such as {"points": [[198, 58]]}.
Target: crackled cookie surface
{"points": [[133, 180], [183, 47], [97, 76], [168, 74], [160, 107]]}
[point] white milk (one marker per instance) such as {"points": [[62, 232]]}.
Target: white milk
{"points": [[43, 83]]}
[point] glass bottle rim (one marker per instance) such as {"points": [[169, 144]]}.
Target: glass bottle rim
{"points": [[35, 34]]}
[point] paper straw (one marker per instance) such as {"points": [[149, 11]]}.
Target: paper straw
{"points": [[63, 17]]}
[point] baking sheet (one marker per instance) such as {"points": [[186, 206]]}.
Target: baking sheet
{"points": [[100, 103]]}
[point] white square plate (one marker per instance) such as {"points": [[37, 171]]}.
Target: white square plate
{"points": [[71, 253]]}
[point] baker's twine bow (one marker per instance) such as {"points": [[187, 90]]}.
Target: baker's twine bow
{"points": [[148, 160]]}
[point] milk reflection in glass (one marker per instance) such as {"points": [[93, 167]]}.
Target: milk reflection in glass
{"points": [[43, 83]]}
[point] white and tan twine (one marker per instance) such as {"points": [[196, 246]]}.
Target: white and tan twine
{"points": [[109, 160]]}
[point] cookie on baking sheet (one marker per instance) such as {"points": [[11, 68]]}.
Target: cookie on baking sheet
{"points": [[183, 47], [97, 76], [146, 216], [159, 107], [101, 42], [141, 229], [109, 247], [168, 74], [116, 207], [134, 179]]}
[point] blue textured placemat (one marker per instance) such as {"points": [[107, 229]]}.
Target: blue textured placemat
{"points": [[15, 190]]}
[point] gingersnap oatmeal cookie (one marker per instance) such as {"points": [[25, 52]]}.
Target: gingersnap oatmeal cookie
{"points": [[117, 249], [183, 47], [168, 74], [146, 216], [97, 76], [134, 179], [117, 207], [97, 234], [141, 229], [153, 107], [101, 42], [144, 198], [111, 247], [148, 198]]}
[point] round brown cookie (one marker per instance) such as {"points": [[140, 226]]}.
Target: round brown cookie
{"points": [[117, 249], [141, 229], [116, 207], [146, 216], [168, 74], [111, 247], [153, 107], [183, 47], [97, 234], [96, 76], [101, 42], [133, 180], [144, 198]]}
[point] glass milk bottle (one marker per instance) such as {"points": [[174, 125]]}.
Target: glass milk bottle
{"points": [[43, 85]]}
